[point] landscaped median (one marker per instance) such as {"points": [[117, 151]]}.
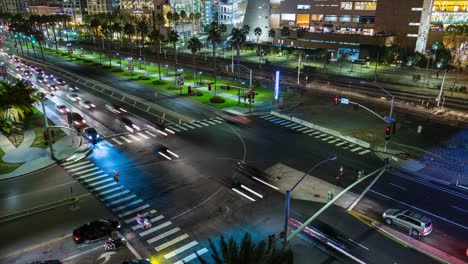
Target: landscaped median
{"points": [[149, 76]]}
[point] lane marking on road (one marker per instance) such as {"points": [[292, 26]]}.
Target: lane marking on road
{"points": [[217, 121], [398, 186], [422, 210], [358, 244], [156, 228], [77, 164], [266, 183], [180, 249], [302, 128], [171, 242], [327, 138], [181, 127], [197, 125], [134, 137], [82, 253], [342, 143], [157, 218], [243, 194], [125, 139], [192, 256], [187, 125], [113, 195], [104, 186], [149, 133], [163, 235], [172, 153], [356, 149], [143, 207], [117, 141], [89, 174], [121, 200], [164, 155], [364, 152], [160, 132], [458, 208], [99, 182], [168, 130], [36, 246], [80, 168], [252, 191], [175, 129], [127, 205], [143, 135]]}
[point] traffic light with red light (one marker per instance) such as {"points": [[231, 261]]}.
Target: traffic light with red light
{"points": [[335, 100], [387, 133]]}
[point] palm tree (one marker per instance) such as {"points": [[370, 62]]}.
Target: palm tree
{"points": [[156, 37], [246, 253], [192, 20], [214, 36], [183, 19], [238, 37], [272, 34], [198, 18], [173, 37], [95, 24], [129, 30], [39, 37], [258, 33], [169, 18], [194, 45], [142, 27]]}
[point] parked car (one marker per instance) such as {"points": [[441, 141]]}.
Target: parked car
{"points": [[95, 230], [77, 120], [74, 97], [62, 109], [87, 104], [417, 223], [115, 108], [129, 124], [91, 134], [73, 88]]}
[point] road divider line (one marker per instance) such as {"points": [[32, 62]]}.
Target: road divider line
{"points": [[398, 186], [192, 256], [243, 194], [266, 183], [36, 246], [252, 191], [171, 242], [458, 208], [172, 153], [180, 249]]}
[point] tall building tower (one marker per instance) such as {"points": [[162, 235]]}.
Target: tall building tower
{"points": [[11, 6]]}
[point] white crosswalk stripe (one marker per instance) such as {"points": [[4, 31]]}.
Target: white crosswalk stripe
{"points": [[156, 228], [192, 256], [157, 218], [321, 135], [271, 118], [89, 174], [143, 207], [279, 120], [125, 139], [263, 116], [99, 182], [133, 219], [316, 132], [143, 135], [203, 123], [127, 205], [172, 242], [114, 195], [292, 124], [308, 131], [219, 118], [327, 138], [149, 133], [364, 152], [356, 149], [80, 168], [208, 121], [341, 143], [95, 178], [179, 126], [117, 141], [163, 235], [217, 121], [104, 186], [121, 200], [302, 128], [108, 143], [197, 125], [88, 170], [173, 128], [134, 137], [68, 163], [284, 122], [189, 126], [294, 127], [110, 190], [333, 141], [180, 250], [76, 164]]}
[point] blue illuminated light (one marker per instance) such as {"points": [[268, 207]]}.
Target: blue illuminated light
{"points": [[277, 78]]}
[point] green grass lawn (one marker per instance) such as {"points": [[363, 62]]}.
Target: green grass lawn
{"points": [[36, 122], [7, 167]]}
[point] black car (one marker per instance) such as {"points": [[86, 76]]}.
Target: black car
{"points": [[91, 134], [60, 81], [73, 88], [128, 124], [95, 230], [77, 120], [48, 75], [54, 261]]}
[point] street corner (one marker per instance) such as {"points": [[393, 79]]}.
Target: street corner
{"points": [[416, 244]]}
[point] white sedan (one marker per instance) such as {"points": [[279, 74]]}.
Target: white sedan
{"points": [[73, 97], [87, 104]]}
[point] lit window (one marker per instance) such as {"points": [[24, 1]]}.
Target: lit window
{"points": [[365, 5], [316, 17], [303, 7], [331, 18], [345, 18], [414, 24], [416, 9], [412, 35], [347, 5], [288, 17]]}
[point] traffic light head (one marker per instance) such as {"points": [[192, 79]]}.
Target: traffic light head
{"points": [[387, 133], [335, 100]]}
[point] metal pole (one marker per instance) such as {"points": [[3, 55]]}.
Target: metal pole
{"points": [[250, 99], [46, 124], [287, 203], [232, 58], [441, 89], [298, 68], [391, 107]]}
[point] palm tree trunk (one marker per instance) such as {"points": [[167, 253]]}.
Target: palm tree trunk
{"points": [[214, 68], [55, 38], [194, 71], [158, 58], [34, 50], [42, 52]]}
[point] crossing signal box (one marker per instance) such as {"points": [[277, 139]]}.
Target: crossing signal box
{"points": [[387, 133], [335, 99]]}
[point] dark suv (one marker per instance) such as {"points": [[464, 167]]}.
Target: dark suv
{"points": [[95, 230]]}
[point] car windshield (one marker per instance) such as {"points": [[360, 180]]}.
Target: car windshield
{"points": [[91, 131]]}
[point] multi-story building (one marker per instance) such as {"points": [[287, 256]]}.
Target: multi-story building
{"points": [[352, 27], [77, 9], [12, 6], [102, 6]]}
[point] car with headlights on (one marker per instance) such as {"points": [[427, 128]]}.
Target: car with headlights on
{"points": [[74, 97], [95, 230], [60, 81], [91, 134], [62, 109], [73, 88], [128, 124], [53, 87], [87, 104], [115, 108], [41, 79]]}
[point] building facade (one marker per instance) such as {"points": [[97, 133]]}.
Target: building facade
{"points": [[12, 6]]}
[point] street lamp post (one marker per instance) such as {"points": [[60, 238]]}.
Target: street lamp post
{"points": [[120, 60], [200, 74], [49, 136], [288, 198], [130, 66], [139, 63]]}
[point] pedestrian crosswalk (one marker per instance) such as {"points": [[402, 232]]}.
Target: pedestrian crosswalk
{"points": [[316, 134], [165, 237], [196, 124]]}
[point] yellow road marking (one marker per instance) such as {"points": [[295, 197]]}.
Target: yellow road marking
{"points": [[35, 246], [369, 221]]}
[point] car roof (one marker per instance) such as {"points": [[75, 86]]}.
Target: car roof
{"points": [[418, 216], [90, 129], [61, 106], [75, 115]]}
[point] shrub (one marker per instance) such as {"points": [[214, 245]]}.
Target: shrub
{"points": [[117, 70], [217, 100], [144, 78], [96, 64], [159, 82], [107, 67]]}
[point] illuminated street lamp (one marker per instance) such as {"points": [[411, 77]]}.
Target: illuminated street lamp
{"points": [[130, 66]]}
